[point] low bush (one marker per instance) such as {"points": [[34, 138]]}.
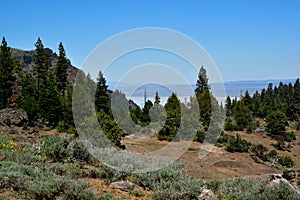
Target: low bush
{"points": [[171, 182], [53, 148], [286, 161], [260, 151], [237, 144], [289, 136], [242, 188], [230, 125]]}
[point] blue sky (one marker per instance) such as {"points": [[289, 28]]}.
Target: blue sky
{"points": [[248, 40]]}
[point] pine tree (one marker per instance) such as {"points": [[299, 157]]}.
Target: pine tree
{"points": [[171, 127], [50, 100], [204, 98], [102, 99], [7, 78], [104, 112], [146, 111], [242, 115], [276, 123], [247, 100], [27, 100], [42, 64], [228, 106], [202, 82], [61, 69]]}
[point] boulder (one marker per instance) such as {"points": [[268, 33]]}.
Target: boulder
{"points": [[276, 179], [13, 117], [123, 185], [207, 195]]}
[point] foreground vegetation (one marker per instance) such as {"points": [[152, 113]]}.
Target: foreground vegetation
{"points": [[55, 167]]}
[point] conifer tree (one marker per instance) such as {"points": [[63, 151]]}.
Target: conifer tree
{"points": [[50, 100], [104, 112], [171, 127], [242, 115], [7, 78], [102, 99], [204, 97], [27, 100], [61, 69], [42, 64]]}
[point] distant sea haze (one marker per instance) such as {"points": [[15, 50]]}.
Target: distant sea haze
{"points": [[232, 89]]}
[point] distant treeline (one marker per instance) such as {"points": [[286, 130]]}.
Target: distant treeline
{"points": [[46, 95]]}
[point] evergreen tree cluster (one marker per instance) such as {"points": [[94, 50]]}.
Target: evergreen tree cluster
{"points": [[44, 94], [276, 105], [191, 120]]}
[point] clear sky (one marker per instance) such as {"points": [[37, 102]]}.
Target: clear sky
{"points": [[247, 39]]}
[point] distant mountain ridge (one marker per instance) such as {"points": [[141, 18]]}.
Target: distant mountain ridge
{"points": [[26, 60]]}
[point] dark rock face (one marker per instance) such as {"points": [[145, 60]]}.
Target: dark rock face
{"points": [[289, 174], [10, 119]]}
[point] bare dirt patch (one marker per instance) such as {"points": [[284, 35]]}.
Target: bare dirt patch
{"points": [[217, 163]]}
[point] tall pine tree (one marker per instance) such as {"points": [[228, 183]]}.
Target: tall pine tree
{"points": [[61, 69], [42, 63], [204, 97], [7, 78], [102, 99], [50, 100]]}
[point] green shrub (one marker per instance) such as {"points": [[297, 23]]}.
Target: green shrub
{"points": [[40, 182], [200, 136], [286, 161], [54, 148], [260, 151], [272, 154], [137, 193], [170, 182], [69, 170], [242, 188], [6, 142], [213, 184], [289, 136], [230, 125], [237, 144], [77, 151], [78, 191]]}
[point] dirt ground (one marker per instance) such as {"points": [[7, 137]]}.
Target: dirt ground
{"points": [[217, 163]]}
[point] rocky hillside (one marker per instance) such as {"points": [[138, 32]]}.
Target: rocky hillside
{"points": [[26, 60]]}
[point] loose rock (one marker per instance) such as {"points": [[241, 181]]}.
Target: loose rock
{"points": [[123, 185], [207, 195]]}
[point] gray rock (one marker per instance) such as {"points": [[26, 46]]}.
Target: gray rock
{"points": [[275, 176], [13, 117], [276, 179], [123, 185], [207, 195]]}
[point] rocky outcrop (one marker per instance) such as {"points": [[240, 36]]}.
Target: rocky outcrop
{"points": [[207, 195], [12, 119], [293, 176], [276, 179], [123, 185]]}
